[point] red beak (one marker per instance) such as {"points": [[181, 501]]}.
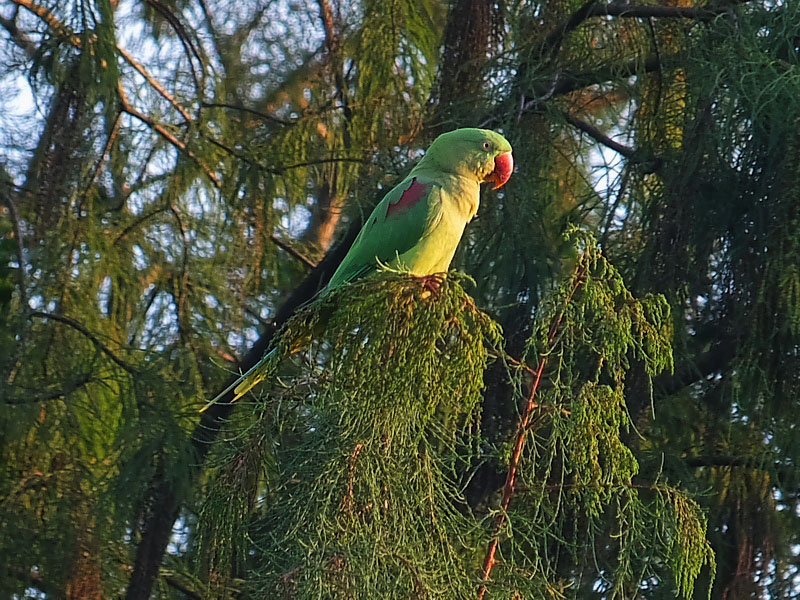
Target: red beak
{"points": [[503, 167]]}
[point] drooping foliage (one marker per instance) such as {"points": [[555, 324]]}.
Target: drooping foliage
{"points": [[172, 172], [363, 452], [364, 447]]}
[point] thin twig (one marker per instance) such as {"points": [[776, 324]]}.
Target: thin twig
{"points": [[252, 111], [186, 41], [519, 440], [89, 335], [112, 137], [154, 83], [167, 135], [600, 137], [19, 37], [293, 251], [319, 161], [612, 211], [121, 235]]}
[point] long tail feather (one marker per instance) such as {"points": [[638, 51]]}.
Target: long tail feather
{"points": [[247, 381]]}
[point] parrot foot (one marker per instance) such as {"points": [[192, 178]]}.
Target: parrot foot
{"points": [[431, 283]]}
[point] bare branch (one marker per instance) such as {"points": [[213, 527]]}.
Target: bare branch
{"points": [[592, 8], [167, 135], [185, 39], [600, 137], [262, 115], [154, 83], [293, 251], [19, 37], [51, 20], [89, 335]]}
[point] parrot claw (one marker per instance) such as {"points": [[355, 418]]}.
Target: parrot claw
{"points": [[431, 283]]}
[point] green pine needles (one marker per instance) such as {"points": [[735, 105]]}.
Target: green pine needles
{"points": [[347, 480]]}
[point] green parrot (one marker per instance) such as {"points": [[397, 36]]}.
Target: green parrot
{"points": [[417, 226]]}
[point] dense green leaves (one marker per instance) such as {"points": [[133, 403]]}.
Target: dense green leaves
{"points": [[173, 170]]}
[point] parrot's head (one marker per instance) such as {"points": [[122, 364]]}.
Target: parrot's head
{"points": [[476, 153]]}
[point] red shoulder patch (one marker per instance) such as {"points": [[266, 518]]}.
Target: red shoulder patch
{"points": [[412, 194]]}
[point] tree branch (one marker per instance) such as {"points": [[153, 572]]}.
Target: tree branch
{"points": [[555, 38], [522, 430], [186, 41], [257, 113], [53, 394], [593, 8], [89, 335], [600, 137], [51, 21], [699, 13], [705, 364], [154, 83], [19, 37], [125, 106], [166, 493], [293, 251]]}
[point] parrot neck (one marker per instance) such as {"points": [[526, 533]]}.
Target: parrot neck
{"points": [[460, 192]]}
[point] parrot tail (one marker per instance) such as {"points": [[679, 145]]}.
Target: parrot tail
{"points": [[247, 381]]}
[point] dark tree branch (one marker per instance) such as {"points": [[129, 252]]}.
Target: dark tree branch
{"points": [[89, 335], [293, 251], [19, 37], [601, 137], [188, 44], [699, 13], [781, 471], [556, 37], [593, 8], [256, 113], [183, 588], [704, 365], [567, 82], [166, 494], [54, 394]]}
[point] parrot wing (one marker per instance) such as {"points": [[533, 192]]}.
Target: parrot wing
{"points": [[397, 224]]}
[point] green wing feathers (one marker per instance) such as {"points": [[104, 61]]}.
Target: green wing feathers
{"points": [[395, 226]]}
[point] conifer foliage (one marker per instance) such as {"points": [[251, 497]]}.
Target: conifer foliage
{"points": [[600, 400]]}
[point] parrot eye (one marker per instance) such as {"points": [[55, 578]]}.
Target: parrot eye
{"points": [[486, 145]]}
